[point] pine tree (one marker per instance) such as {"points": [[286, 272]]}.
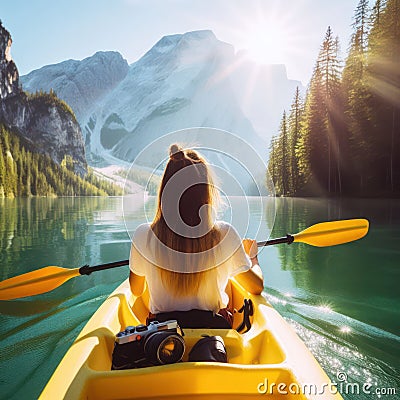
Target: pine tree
{"points": [[294, 135], [273, 165], [377, 11], [319, 147], [357, 108], [311, 150], [329, 64], [330, 67], [285, 164], [279, 163], [361, 24]]}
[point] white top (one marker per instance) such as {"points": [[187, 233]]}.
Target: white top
{"points": [[230, 258]]}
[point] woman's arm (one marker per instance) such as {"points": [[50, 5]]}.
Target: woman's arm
{"points": [[138, 284], [252, 280]]}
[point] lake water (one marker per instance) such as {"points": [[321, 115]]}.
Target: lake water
{"points": [[343, 301]]}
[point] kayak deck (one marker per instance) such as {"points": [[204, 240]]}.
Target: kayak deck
{"points": [[269, 354]]}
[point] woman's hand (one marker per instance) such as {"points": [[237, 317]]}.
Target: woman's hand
{"points": [[251, 249]]}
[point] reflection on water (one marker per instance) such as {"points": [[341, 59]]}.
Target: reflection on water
{"points": [[45, 230], [362, 275], [343, 301]]}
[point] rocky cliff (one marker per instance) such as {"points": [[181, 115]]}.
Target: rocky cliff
{"points": [[44, 120], [8, 71]]}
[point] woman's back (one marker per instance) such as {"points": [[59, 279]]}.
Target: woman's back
{"points": [[227, 259]]}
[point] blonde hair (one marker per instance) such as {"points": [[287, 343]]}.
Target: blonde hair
{"points": [[193, 198], [181, 284]]}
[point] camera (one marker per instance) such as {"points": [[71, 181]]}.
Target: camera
{"points": [[147, 345]]}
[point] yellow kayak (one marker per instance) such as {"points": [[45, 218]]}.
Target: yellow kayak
{"points": [[268, 360]]}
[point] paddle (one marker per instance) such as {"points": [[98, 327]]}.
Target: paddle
{"points": [[49, 278], [326, 233]]}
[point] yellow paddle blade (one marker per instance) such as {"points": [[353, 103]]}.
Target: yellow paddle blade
{"points": [[35, 282], [333, 232]]}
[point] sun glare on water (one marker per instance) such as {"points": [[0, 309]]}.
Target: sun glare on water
{"points": [[345, 329], [325, 308]]}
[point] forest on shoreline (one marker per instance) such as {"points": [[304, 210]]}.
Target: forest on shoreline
{"points": [[343, 138], [26, 173]]}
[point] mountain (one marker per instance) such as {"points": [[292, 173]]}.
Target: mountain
{"points": [[184, 80], [46, 123], [80, 83]]}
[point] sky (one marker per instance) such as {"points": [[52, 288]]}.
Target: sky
{"points": [[286, 32]]}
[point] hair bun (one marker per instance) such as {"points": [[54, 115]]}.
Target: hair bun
{"points": [[176, 153]]}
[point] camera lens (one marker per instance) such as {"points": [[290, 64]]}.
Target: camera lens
{"points": [[165, 347]]}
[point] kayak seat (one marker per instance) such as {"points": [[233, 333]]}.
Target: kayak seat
{"points": [[194, 319]]}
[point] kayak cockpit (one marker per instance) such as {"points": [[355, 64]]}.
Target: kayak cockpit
{"points": [[241, 348], [269, 353]]}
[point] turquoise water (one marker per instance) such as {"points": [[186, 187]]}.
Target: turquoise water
{"points": [[343, 301]]}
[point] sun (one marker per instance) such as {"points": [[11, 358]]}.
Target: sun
{"points": [[267, 41]]}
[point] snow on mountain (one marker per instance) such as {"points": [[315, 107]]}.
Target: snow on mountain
{"points": [[80, 83], [179, 83]]}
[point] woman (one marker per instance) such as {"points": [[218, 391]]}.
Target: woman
{"points": [[184, 256]]}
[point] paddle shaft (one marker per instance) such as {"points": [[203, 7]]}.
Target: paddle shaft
{"points": [[87, 270], [287, 239]]}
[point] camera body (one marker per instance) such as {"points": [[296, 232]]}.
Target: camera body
{"points": [[142, 346]]}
